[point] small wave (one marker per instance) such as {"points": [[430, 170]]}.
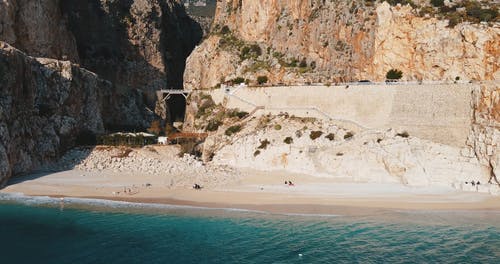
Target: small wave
{"points": [[312, 215], [99, 203]]}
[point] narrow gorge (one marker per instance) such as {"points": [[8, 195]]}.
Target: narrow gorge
{"points": [[70, 68]]}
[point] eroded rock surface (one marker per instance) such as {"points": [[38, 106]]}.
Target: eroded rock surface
{"points": [[140, 44], [47, 106], [484, 138], [37, 28], [303, 41]]}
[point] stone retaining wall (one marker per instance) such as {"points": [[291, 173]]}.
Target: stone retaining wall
{"points": [[438, 112]]}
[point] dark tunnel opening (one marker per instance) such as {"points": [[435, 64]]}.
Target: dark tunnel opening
{"points": [[176, 106]]}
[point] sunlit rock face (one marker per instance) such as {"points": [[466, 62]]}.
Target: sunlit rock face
{"points": [[333, 41]]}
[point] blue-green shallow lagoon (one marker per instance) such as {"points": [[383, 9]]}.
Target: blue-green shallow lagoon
{"points": [[47, 233]]}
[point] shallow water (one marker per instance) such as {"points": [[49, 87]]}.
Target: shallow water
{"points": [[43, 231]]}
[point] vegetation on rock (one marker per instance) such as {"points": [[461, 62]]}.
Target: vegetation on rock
{"points": [[233, 130], [394, 74], [315, 134]]}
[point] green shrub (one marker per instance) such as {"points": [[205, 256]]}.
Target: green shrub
{"points": [[256, 153], [277, 127], [205, 107], [403, 134], [437, 3], [262, 79], [233, 130], [330, 136], [238, 80], [348, 135], [213, 125], [237, 113], [303, 63], [485, 15], [250, 51], [263, 144], [288, 140], [402, 2], [225, 30], [394, 74], [315, 134]]}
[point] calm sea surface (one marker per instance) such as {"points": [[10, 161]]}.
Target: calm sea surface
{"points": [[34, 231]]}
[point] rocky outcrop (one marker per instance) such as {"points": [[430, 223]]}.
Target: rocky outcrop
{"points": [[334, 41], [140, 44], [427, 49], [48, 106], [484, 139], [38, 28], [136, 44]]}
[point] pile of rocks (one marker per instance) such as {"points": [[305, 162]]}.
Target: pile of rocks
{"points": [[154, 161]]}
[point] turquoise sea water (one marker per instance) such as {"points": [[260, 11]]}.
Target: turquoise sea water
{"points": [[47, 233]]}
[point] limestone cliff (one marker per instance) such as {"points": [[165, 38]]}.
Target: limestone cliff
{"points": [[141, 44], [299, 41], [47, 106], [484, 138], [138, 44], [38, 28]]}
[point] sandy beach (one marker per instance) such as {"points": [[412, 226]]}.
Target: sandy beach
{"points": [[255, 190]]}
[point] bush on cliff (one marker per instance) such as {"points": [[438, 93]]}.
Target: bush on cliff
{"points": [[213, 125], [437, 3], [233, 130], [394, 74], [262, 79], [288, 140], [315, 134], [402, 2], [263, 144]]}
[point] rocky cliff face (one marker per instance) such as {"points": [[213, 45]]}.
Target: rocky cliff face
{"points": [[138, 44], [141, 44], [484, 139], [47, 106], [297, 41], [38, 28]]}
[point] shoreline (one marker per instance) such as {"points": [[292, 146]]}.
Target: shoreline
{"points": [[276, 203], [253, 190], [338, 209]]}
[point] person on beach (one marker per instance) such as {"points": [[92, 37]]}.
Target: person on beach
{"points": [[286, 182], [290, 183]]}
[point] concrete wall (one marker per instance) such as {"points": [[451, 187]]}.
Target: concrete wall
{"points": [[441, 112]]}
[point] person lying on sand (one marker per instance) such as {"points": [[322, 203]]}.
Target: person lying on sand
{"points": [[197, 186]]}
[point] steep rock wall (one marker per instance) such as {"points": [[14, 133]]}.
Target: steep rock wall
{"points": [[46, 105], [138, 44], [134, 43], [339, 41], [484, 138], [38, 28]]}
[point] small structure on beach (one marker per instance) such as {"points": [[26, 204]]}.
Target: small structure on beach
{"points": [[162, 140], [127, 139]]}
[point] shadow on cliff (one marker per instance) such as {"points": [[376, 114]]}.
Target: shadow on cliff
{"points": [[122, 47], [70, 160]]}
